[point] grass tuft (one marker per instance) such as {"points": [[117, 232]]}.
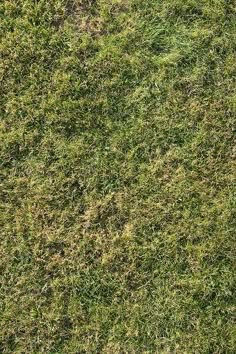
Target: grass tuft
{"points": [[117, 176]]}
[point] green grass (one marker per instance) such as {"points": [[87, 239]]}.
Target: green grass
{"points": [[117, 176]]}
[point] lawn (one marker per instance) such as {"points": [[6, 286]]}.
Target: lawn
{"points": [[117, 179]]}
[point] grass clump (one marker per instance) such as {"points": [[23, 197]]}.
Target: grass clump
{"points": [[117, 176]]}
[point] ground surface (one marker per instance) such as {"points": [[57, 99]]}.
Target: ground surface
{"points": [[117, 176]]}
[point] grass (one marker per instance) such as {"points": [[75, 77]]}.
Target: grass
{"points": [[117, 176]]}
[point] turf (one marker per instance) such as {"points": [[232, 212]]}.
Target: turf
{"points": [[118, 176]]}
